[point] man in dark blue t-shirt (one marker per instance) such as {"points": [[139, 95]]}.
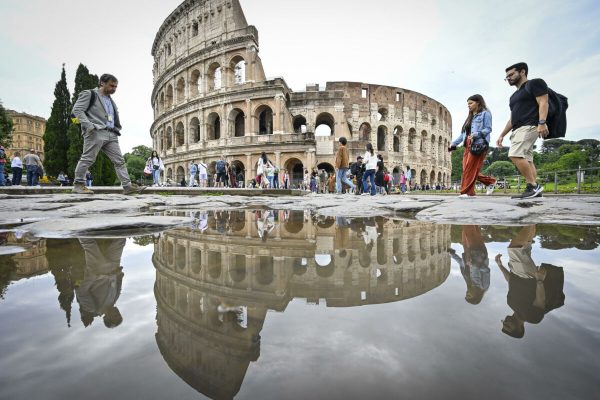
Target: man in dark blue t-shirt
{"points": [[528, 112]]}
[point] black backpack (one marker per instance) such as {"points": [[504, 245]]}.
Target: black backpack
{"points": [[220, 166], [557, 114], [74, 119]]}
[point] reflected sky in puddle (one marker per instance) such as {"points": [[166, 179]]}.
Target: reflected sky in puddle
{"points": [[282, 304]]}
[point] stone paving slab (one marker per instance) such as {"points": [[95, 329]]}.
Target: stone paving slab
{"points": [[72, 215]]}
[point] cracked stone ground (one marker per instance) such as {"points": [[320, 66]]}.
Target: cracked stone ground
{"points": [[67, 215]]}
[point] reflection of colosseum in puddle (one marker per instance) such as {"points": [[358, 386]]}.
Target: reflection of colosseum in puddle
{"points": [[214, 287]]}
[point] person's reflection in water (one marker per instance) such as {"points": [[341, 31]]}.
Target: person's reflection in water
{"points": [[101, 285], [474, 264], [265, 223], [532, 291]]}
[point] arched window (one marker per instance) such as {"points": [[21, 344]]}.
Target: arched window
{"points": [[214, 127], [423, 140], [382, 114], [180, 90], [264, 115], [214, 76], [365, 132], [169, 138], [396, 144], [195, 83], [237, 120], [300, 124], [238, 65], [381, 138], [169, 97], [180, 134], [324, 125], [194, 130]]}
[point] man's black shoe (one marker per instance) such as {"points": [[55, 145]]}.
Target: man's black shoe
{"points": [[530, 192]]}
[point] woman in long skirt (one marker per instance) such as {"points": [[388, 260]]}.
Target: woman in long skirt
{"points": [[477, 124]]}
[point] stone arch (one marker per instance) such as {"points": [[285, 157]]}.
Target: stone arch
{"points": [[237, 272], [432, 178], [324, 125], [180, 91], [162, 102], [325, 265], [439, 178], [423, 178], [238, 167], [194, 130], [381, 138], [169, 97], [327, 167], [179, 134], [382, 114], [423, 141], [213, 264], [264, 116], [195, 83], [213, 126], [237, 123], [265, 272], [365, 132], [238, 66], [169, 137], [300, 125], [295, 169], [412, 139], [214, 76], [396, 144], [169, 174], [180, 174]]}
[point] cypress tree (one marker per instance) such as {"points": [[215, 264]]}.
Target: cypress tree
{"points": [[55, 137], [6, 128], [83, 81]]}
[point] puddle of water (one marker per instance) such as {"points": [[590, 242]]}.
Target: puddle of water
{"points": [[281, 304]]}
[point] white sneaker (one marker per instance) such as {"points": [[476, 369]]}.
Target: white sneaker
{"points": [[490, 190], [464, 196]]}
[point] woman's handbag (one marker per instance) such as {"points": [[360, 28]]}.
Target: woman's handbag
{"points": [[147, 170], [479, 145]]}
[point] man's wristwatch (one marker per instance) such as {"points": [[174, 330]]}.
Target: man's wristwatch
{"points": [[542, 122]]}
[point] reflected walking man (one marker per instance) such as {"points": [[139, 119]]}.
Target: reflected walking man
{"points": [[532, 291], [103, 278], [474, 264]]}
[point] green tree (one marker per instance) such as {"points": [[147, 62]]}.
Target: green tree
{"points": [[83, 81], [141, 151], [457, 159], [135, 165], [501, 169], [6, 127], [55, 138], [496, 154]]}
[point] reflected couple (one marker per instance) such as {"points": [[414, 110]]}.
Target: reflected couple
{"points": [[533, 290], [474, 263]]}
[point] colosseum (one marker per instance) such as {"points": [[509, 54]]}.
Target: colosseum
{"points": [[211, 97]]}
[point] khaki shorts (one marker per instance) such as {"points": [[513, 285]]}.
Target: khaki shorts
{"points": [[522, 141]]}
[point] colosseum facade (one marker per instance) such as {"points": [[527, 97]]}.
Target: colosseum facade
{"points": [[211, 97]]}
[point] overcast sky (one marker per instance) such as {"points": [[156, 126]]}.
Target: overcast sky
{"points": [[446, 49]]}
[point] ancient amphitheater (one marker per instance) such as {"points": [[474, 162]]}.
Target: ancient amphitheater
{"points": [[211, 97]]}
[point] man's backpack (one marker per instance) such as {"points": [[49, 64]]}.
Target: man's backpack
{"points": [[557, 114], [74, 120], [220, 166]]}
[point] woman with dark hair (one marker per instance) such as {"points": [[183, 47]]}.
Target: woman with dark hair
{"points": [[370, 162], [474, 264], [262, 170], [477, 124], [156, 165]]}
